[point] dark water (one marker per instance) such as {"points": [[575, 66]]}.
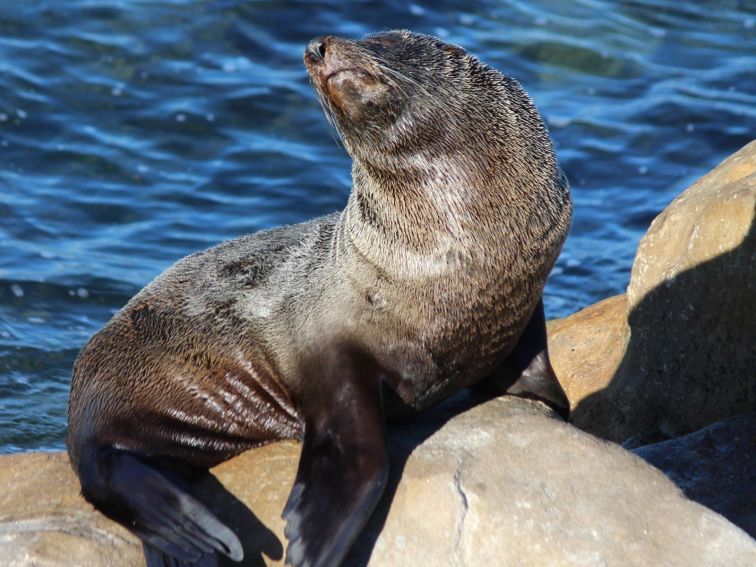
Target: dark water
{"points": [[133, 133]]}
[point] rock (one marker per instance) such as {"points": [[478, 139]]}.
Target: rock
{"points": [[586, 348], [691, 304], [715, 466], [44, 521], [690, 349], [497, 483]]}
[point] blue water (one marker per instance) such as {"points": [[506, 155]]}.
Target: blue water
{"points": [[133, 133]]}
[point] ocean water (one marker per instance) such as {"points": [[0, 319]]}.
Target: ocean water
{"points": [[135, 132]]}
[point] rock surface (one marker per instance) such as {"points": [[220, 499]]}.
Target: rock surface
{"points": [[44, 522], [587, 348], [689, 333], [715, 466], [498, 483]]}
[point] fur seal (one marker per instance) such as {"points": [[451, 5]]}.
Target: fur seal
{"points": [[429, 281]]}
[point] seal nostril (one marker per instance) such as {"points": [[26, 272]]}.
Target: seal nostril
{"points": [[316, 49]]}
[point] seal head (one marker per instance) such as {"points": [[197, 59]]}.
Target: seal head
{"points": [[398, 98]]}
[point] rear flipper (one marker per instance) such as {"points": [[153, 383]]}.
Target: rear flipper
{"points": [[175, 528], [527, 371], [344, 465], [156, 558]]}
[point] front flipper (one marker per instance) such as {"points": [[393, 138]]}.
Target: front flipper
{"points": [[344, 465], [527, 371]]}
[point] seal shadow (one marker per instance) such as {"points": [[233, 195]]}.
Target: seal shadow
{"points": [[256, 538], [686, 366]]}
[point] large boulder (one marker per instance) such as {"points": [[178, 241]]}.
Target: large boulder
{"points": [[495, 483], [683, 353]]}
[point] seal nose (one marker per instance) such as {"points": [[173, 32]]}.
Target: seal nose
{"points": [[316, 49]]}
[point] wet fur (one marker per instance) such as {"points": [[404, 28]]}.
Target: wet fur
{"points": [[424, 284]]}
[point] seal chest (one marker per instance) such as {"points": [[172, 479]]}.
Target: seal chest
{"points": [[430, 280]]}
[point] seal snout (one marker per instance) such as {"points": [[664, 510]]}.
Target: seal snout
{"points": [[321, 57], [315, 51], [342, 75]]}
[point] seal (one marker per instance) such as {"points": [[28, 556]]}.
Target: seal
{"points": [[429, 281]]}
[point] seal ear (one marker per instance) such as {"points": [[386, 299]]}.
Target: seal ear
{"points": [[344, 464]]}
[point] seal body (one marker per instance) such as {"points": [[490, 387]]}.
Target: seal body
{"points": [[429, 281]]}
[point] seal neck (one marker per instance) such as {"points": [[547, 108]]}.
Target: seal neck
{"points": [[432, 221]]}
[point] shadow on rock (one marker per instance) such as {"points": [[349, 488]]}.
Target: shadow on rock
{"points": [[255, 537], [715, 466], [691, 355]]}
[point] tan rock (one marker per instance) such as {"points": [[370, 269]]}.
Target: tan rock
{"points": [[44, 522], [586, 348], [500, 483], [691, 353], [714, 216]]}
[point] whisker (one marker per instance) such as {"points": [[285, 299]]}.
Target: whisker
{"points": [[329, 114], [396, 74], [383, 64]]}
